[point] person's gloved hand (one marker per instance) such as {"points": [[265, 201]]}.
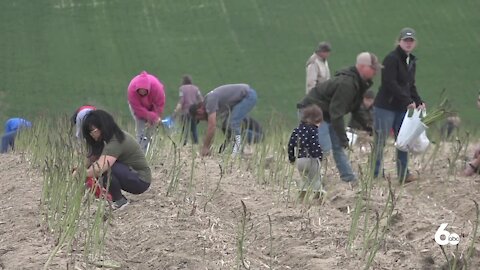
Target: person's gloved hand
{"points": [[98, 190]]}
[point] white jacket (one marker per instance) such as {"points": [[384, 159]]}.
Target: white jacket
{"points": [[317, 71]]}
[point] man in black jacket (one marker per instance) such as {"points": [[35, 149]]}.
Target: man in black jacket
{"points": [[396, 95], [337, 97]]}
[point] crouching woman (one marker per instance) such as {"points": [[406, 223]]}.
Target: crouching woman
{"points": [[118, 153]]}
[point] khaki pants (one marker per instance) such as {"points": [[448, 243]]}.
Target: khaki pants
{"points": [[143, 133], [309, 169]]}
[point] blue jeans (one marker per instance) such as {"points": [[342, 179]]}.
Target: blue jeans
{"points": [[383, 122], [329, 140], [189, 124], [240, 111], [8, 141]]}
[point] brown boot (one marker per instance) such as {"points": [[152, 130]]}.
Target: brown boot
{"points": [[409, 178], [301, 195]]}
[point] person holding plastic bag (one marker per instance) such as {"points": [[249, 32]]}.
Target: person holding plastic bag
{"points": [[412, 131], [397, 94], [189, 94]]}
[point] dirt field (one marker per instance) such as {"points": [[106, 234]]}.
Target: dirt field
{"points": [[200, 229]]}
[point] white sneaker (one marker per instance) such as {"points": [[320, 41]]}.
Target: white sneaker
{"points": [[237, 145]]}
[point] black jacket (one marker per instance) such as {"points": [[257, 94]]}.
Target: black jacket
{"points": [[338, 96], [398, 88], [305, 139]]}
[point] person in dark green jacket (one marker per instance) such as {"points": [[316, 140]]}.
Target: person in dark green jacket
{"points": [[362, 120], [337, 97]]}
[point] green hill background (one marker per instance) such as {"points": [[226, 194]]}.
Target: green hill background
{"points": [[58, 54]]}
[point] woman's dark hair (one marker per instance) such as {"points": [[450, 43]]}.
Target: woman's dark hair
{"points": [[187, 79], [312, 114], [107, 126]]}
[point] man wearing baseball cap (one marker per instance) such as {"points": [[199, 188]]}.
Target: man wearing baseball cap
{"points": [[337, 97], [397, 94]]}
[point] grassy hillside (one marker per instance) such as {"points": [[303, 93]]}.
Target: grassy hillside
{"points": [[58, 54]]}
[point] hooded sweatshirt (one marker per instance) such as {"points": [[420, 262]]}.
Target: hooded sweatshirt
{"points": [[79, 116], [14, 124], [337, 97], [149, 107]]}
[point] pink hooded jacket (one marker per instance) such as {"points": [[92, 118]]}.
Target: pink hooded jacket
{"points": [[149, 107]]}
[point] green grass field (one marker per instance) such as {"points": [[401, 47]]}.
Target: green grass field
{"points": [[59, 54]]}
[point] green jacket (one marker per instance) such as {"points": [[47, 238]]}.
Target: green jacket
{"points": [[362, 119], [341, 95]]}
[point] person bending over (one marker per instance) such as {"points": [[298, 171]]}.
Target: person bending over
{"points": [[12, 127], [234, 100], [146, 99]]}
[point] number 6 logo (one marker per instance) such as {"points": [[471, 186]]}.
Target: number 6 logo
{"points": [[450, 238]]}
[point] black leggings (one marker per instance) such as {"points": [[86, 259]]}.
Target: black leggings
{"points": [[124, 178]]}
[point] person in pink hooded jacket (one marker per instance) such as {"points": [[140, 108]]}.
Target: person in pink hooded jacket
{"points": [[146, 99]]}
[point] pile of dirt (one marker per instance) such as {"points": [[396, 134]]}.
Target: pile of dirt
{"points": [[204, 225]]}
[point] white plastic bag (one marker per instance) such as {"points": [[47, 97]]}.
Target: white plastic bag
{"points": [[420, 144], [352, 138], [412, 128]]}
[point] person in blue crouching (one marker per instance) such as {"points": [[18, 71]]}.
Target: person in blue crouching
{"points": [[12, 128]]}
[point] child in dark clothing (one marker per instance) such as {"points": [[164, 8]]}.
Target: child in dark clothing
{"points": [[304, 148]]}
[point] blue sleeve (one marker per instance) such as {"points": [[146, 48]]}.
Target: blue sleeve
{"points": [[315, 151], [10, 125], [291, 145], [26, 123]]}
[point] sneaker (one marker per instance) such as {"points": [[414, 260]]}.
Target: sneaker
{"points": [[301, 195], [120, 204], [318, 195], [237, 145]]}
